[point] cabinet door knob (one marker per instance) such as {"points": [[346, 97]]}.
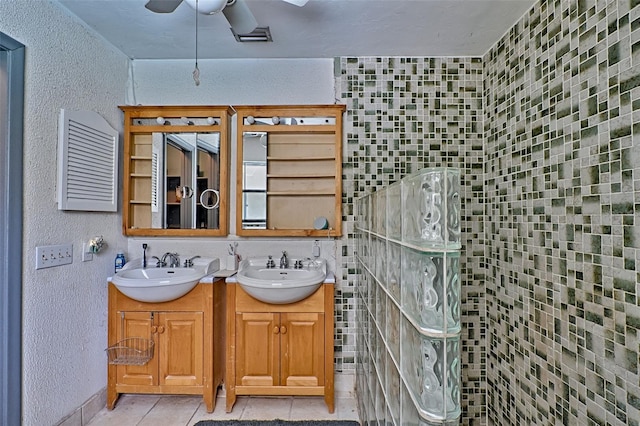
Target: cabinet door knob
{"points": [[276, 330], [154, 329], [283, 329], [161, 329]]}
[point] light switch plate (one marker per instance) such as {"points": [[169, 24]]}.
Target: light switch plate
{"points": [[50, 256]]}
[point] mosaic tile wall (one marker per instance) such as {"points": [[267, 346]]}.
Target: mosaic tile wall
{"points": [[562, 134], [405, 114]]}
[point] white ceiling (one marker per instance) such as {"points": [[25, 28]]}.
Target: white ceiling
{"points": [[321, 29]]}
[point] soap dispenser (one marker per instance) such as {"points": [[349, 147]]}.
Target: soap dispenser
{"points": [[119, 261]]}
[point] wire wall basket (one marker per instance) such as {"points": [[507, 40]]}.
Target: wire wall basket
{"points": [[131, 351]]}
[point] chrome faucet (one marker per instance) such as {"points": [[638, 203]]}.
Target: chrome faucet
{"points": [[158, 261], [284, 262], [144, 255], [174, 260], [188, 263]]}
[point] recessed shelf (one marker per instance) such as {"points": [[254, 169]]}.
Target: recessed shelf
{"points": [[159, 158], [298, 162]]}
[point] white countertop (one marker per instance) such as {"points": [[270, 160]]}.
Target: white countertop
{"points": [[330, 278], [231, 278]]}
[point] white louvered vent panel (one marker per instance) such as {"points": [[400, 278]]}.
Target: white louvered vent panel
{"points": [[88, 163], [155, 205]]}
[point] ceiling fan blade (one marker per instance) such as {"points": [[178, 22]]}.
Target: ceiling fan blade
{"points": [[162, 6], [240, 17], [297, 2]]}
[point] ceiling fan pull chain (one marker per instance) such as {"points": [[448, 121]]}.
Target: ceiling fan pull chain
{"points": [[196, 75], [196, 71]]}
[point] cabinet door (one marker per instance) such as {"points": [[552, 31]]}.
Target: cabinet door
{"points": [[302, 345], [137, 324], [180, 343], [257, 349]]}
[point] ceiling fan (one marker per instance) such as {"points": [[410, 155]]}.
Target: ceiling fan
{"points": [[236, 12]]}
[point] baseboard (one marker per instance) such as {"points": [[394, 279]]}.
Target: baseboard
{"points": [[345, 384], [87, 411]]}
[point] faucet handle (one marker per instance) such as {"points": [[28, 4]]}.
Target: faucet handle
{"points": [[188, 263]]}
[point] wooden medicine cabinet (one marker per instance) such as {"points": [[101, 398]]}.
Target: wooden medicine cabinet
{"points": [[176, 170], [289, 170]]}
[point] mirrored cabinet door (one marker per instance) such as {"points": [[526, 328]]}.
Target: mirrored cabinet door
{"points": [[289, 170], [176, 170]]}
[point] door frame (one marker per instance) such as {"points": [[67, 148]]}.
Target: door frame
{"points": [[12, 57]]}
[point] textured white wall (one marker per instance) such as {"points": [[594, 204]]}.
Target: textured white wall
{"points": [[64, 308], [234, 82]]}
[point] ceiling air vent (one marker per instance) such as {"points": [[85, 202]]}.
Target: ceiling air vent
{"points": [[87, 162]]}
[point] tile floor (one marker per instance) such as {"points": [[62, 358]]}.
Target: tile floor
{"points": [[178, 410]]}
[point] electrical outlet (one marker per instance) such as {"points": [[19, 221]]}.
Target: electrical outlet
{"points": [[49, 256], [315, 251]]}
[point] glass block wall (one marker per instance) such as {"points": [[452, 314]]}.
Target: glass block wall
{"points": [[408, 243]]}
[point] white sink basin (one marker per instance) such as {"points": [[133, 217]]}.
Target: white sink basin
{"points": [[280, 286], [156, 285]]}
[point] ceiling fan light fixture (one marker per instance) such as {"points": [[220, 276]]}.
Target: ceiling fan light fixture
{"points": [[298, 3], [259, 34], [207, 7]]}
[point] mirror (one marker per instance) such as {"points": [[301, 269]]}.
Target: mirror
{"points": [[254, 177], [187, 188], [176, 170]]}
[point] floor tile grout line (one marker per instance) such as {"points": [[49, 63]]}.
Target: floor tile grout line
{"points": [[192, 419], [149, 410]]}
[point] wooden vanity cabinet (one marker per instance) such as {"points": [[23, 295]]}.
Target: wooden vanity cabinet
{"points": [[189, 344], [280, 349]]}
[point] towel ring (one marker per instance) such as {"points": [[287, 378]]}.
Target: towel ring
{"points": [[210, 206]]}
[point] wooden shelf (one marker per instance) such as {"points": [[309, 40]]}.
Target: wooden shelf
{"points": [[174, 129], [301, 158], [291, 128], [140, 157], [298, 193], [140, 202], [140, 175], [308, 176]]}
